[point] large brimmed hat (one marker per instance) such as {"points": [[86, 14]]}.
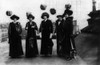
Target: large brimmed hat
{"points": [[14, 17], [45, 14], [59, 16], [68, 12], [30, 16]]}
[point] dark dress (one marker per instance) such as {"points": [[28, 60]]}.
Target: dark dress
{"points": [[68, 30], [14, 35], [31, 40], [60, 35], [46, 43]]}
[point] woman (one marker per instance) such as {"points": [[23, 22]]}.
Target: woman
{"points": [[46, 30], [68, 31], [14, 34], [60, 34], [31, 41]]}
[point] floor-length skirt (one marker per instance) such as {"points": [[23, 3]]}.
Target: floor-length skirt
{"points": [[15, 47], [31, 47], [66, 46], [46, 45]]}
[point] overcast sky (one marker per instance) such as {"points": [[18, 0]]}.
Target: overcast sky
{"points": [[19, 7]]}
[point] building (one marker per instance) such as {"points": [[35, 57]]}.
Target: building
{"points": [[3, 32], [76, 30]]}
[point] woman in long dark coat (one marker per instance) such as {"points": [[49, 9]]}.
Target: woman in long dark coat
{"points": [[60, 34], [31, 41], [68, 31], [14, 34], [46, 29]]}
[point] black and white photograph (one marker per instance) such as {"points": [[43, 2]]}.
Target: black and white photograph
{"points": [[49, 32]]}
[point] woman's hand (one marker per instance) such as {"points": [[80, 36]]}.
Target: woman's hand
{"points": [[33, 26], [40, 35], [51, 35]]}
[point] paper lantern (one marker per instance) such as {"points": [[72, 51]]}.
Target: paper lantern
{"points": [[52, 11], [67, 6], [43, 7], [8, 13]]}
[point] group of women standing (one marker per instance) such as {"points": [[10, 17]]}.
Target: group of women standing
{"points": [[64, 29], [14, 34]]}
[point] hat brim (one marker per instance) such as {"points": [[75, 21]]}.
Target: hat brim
{"points": [[14, 17], [30, 16], [59, 16], [44, 14]]}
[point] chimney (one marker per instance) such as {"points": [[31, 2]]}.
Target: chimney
{"points": [[94, 6]]}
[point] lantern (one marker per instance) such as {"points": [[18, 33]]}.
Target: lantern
{"points": [[52, 11], [8, 13], [67, 6], [43, 7]]}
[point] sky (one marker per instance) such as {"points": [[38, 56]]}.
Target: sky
{"points": [[80, 8]]}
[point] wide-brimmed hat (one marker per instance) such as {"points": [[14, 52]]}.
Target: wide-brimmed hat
{"points": [[30, 16], [45, 14], [68, 12], [59, 16], [14, 17]]}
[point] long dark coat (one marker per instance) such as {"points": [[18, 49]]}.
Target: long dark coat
{"points": [[60, 35], [46, 45], [15, 46], [68, 30], [31, 40]]}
